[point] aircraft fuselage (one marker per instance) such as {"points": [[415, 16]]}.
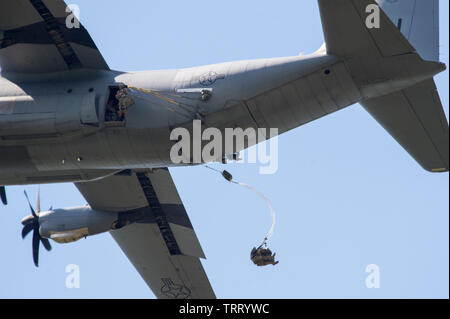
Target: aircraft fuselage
{"points": [[53, 127]]}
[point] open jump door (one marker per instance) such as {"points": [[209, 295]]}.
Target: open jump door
{"points": [[117, 103]]}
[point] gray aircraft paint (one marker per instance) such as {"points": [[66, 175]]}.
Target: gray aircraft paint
{"points": [[144, 141], [53, 129], [281, 92]]}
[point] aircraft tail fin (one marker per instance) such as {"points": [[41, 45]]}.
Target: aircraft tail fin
{"points": [[413, 115], [418, 20], [348, 35]]}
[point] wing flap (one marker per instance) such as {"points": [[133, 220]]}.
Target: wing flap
{"points": [[169, 276], [156, 235]]}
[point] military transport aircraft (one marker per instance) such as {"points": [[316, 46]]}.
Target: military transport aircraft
{"points": [[63, 119]]}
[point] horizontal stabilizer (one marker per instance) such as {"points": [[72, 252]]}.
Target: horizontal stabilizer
{"points": [[416, 119]]}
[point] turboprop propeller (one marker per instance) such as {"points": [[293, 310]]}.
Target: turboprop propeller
{"points": [[31, 223]]}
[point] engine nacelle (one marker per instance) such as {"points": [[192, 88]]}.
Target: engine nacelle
{"points": [[71, 224]]}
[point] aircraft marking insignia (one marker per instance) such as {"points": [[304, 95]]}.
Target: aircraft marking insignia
{"points": [[175, 291], [210, 77]]}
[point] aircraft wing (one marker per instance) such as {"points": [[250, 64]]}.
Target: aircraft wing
{"points": [[160, 241], [36, 38]]}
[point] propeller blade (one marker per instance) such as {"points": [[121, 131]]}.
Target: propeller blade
{"points": [[46, 244], [3, 195], [36, 241], [26, 230], [38, 204], [31, 207]]}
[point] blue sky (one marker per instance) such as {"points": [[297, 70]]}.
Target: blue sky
{"points": [[346, 194]]}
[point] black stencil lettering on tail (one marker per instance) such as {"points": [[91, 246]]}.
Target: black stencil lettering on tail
{"points": [[399, 24]]}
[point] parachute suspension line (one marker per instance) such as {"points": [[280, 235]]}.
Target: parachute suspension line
{"points": [[214, 169], [190, 109], [272, 210], [166, 107], [229, 178]]}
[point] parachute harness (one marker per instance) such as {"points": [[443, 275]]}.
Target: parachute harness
{"points": [[263, 246]]}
